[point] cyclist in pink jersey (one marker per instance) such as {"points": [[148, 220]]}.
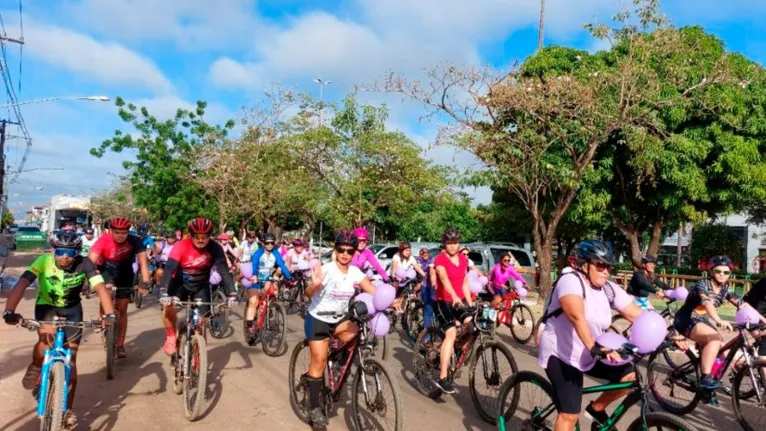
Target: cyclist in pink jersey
{"points": [[364, 254], [499, 278]]}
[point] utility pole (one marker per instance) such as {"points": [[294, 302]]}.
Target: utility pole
{"points": [[541, 27], [3, 180]]}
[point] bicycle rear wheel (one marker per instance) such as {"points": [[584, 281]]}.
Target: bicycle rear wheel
{"points": [[674, 383], [219, 322], [370, 394], [412, 321], [111, 349], [525, 402], [496, 364], [273, 331], [299, 396], [748, 396], [195, 386], [54, 399], [139, 298], [661, 421], [426, 361], [522, 323]]}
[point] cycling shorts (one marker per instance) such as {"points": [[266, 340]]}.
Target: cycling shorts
{"points": [[317, 330], [684, 323], [123, 280], [446, 315], [72, 314], [204, 295], [567, 381]]}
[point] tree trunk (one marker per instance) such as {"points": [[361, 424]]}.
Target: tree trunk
{"points": [[656, 239], [635, 248], [221, 216], [544, 249]]}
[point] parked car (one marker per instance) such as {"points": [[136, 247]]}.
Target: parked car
{"points": [[486, 255], [386, 254], [28, 237], [13, 228]]}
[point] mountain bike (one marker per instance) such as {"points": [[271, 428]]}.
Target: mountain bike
{"points": [[52, 387], [293, 293], [412, 319], [517, 316], [474, 346], [539, 412], [269, 323], [367, 385]]}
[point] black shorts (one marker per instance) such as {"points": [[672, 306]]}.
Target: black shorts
{"points": [[685, 322], [203, 295], [567, 381], [446, 315], [122, 280], [316, 329], [72, 314]]}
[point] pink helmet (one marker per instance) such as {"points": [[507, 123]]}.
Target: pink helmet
{"points": [[361, 233]]}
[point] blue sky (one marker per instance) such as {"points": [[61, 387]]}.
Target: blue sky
{"points": [[168, 54]]}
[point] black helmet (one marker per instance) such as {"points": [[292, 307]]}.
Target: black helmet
{"points": [[722, 260], [88, 230], [595, 251], [142, 230], [67, 239], [649, 259], [269, 237], [450, 235], [346, 238]]}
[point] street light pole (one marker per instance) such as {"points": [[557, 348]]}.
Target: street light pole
{"points": [[321, 83], [53, 99]]}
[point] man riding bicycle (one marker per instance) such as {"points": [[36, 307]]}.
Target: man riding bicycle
{"points": [[60, 276], [114, 254], [264, 261], [187, 276], [332, 287], [645, 282]]}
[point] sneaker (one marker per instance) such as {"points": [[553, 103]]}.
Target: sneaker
{"points": [[446, 386], [70, 420], [708, 382], [29, 381], [317, 417], [596, 418], [170, 345], [121, 352]]}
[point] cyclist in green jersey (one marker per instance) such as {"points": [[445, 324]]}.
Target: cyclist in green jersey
{"points": [[60, 277]]}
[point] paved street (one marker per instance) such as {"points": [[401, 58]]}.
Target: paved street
{"points": [[247, 389]]}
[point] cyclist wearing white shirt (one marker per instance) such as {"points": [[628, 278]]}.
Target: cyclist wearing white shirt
{"points": [[247, 247], [88, 239], [297, 254], [332, 287]]}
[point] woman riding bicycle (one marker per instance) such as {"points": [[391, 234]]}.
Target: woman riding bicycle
{"points": [[297, 254], [499, 279], [403, 260], [580, 310], [703, 300], [645, 282], [332, 287], [365, 255]]}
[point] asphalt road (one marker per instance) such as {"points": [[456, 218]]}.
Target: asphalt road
{"points": [[246, 388]]}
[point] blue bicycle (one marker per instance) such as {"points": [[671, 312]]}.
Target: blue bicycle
{"points": [[53, 384]]}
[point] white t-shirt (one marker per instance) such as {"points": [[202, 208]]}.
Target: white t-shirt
{"points": [[296, 257], [247, 250], [404, 264], [87, 244], [336, 291]]}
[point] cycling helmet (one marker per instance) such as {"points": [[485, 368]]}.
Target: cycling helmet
{"points": [[200, 225], [596, 251], [649, 259], [119, 223], [269, 237], [404, 245], [142, 230], [230, 233], [722, 260], [169, 233], [346, 238], [572, 259], [361, 233], [450, 235], [297, 242], [88, 230], [223, 237], [66, 239]]}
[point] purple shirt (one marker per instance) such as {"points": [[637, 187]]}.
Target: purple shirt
{"points": [[559, 338], [498, 277], [367, 255]]}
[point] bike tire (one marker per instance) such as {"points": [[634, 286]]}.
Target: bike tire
{"points": [[194, 402], [273, 337], [372, 366], [298, 401], [662, 421], [221, 316], [679, 375], [178, 375], [620, 325], [111, 350], [737, 394], [488, 414], [426, 358], [139, 299], [413, 324], [510, 395], [518, 317], [54, 400]]}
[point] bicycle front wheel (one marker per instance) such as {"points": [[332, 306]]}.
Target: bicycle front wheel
{"points": [[426, 361], [522, 323], [195, 386], [748, 396], [377, 403], [412, 321], [300, 360], [525, 402], [111, 349], [661, 421], [54, 399], [219, 323], [491, 365], [273, 331], [672, 376]]}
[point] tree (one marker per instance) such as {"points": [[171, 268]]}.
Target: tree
{"points": [[714, 239], [158, 174], [118, 201], [8, 219], [539, 133], [428, 219]]}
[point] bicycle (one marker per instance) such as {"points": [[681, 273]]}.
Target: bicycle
{"points": [[541, 414], [52, 386], [412, 318], [219, 320], [475, 346], [516, 315], [189, 363], [269, 323], [686, 375], [359, 352], [294, 294]]}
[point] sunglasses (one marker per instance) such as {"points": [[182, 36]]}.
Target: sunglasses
{"points": [[721, 271], [68, 252], [506, 260], [268, 243], [200, 236], [601, 267], [345, 250]]}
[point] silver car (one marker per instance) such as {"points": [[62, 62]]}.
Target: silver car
{"points": [[486, 255]]}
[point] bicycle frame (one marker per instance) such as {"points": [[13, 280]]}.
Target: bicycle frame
{"points": [[56, 353], [263, 305]]}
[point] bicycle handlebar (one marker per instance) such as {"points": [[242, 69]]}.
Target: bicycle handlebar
{"points": [[32, 324]]}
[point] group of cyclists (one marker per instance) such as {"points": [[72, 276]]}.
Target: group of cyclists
{"points": [[578, 310]]}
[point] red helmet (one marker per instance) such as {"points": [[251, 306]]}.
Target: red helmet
{"points": [[200, 225], [119, 223]]}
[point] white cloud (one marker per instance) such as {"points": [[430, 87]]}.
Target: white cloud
{"points": [[231, 74], [108, 62]]}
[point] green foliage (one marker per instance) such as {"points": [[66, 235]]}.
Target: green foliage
{"points": [[430, 217], [711, 240], [8, 219]]}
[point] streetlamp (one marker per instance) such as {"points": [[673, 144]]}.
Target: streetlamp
{"points": [[53, 99], [321, 83], [58, 168]]}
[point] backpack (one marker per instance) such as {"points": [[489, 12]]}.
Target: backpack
{"points": [[555, 313]]}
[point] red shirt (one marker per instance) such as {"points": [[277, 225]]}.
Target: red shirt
{"points": [[194, 266], [191, 260], [108, 251], [455, 273]]}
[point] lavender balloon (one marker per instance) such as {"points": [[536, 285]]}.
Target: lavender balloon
{"points": [[246, 269], [378, 283], [670, 294], [401, 273], [246, 283], [483, 280], [747, 315], [380, 325], [681, 293], [473, 275], [612, 341], [314, 262], [648, 331], [522, 292], [367, 299], [302, 265], [135, 268], [475, 286], [518, 285], [411, 273], [370, 274], [215, 278], [384, 296]]}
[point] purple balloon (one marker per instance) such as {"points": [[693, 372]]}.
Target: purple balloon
{"points": [[473, 275], [384, 296], [483, 280], [401, 273], [302, 265], [380, 325], [518, 285], [411, 273], [215, 278], [367, 299], [314, 262], [246, 269], [522, 292], [367, 266], [378, 283], [670, 294], [246, 283], [747, 315], [681, 293], [370, 274], [135, 268], [648, 332], [612, 341], [475, 286]]}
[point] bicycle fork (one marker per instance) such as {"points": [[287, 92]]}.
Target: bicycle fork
{"points": [[45, 381]]}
